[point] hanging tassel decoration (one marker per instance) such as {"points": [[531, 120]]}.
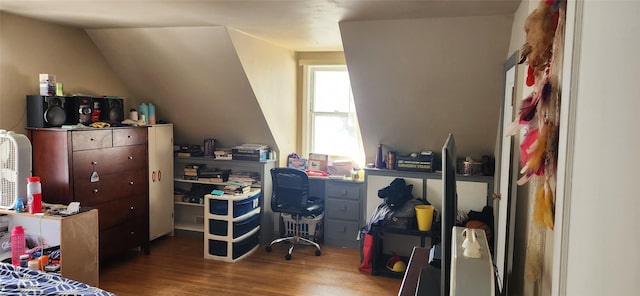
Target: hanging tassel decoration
{"points": [[543, 212]]}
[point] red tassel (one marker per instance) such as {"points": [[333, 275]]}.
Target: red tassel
{"points": [[531, 78]]}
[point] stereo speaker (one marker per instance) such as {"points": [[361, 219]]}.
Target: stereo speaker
{"points": [[79, 110], [112, 110], [46, 111]]}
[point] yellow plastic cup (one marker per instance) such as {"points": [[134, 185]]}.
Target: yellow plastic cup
{"points": [[424, 215]]}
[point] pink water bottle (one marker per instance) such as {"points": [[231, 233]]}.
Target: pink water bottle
{"points": [[17, 244]]}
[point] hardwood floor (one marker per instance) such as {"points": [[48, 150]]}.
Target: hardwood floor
{"points": [[176, 267]]}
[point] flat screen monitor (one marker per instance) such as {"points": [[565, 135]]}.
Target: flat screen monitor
{"points": [[449, 210]]}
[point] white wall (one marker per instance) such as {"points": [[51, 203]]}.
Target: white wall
{"points": [[602, 201], [29, 47], [271, 71], [194, 77], [416, 80]]}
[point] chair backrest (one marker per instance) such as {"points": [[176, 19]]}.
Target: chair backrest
{"points": [[290, 190]]}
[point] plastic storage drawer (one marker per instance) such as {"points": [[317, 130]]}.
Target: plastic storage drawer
{"points": [[219, 248], [240, 228], [240, 207]]}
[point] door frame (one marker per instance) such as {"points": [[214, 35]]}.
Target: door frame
{"points": [[514, 154]]}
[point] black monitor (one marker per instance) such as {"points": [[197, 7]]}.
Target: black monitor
{"points": [[449, 210]]}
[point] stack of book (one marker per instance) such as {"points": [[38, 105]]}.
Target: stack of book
{"points": [[189, 151], [253, 152], [246, 178], [213, 175], [236, 188], [191, 171]]}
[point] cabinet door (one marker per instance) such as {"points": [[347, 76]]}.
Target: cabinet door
{"points": [[160, 180]]}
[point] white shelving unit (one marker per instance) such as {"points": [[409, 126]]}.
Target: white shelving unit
{"points": [[189, 216], [231, 226]]}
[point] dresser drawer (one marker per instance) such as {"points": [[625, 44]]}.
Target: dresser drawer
{"points": [[109, 161], [342, 209], [344, 190], [110, 187], [129, 136], [122, 237], [121, 210], [91, 139], [341, 230]]}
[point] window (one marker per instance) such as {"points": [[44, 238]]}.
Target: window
{"points": [[330, 121]]}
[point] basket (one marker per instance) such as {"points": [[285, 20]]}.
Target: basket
{"points": [[310, 227]]}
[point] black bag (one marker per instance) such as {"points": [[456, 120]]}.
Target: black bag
{"points": [[396, 194]]}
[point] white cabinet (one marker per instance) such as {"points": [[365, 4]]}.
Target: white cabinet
{"points": [[231, 226], [160, 139]]}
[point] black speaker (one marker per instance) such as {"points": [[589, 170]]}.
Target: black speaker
{"points": [[46, 111], [112, 110], [79, 110]]}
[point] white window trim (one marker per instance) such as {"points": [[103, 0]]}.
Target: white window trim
{"points": [[306, 110]]}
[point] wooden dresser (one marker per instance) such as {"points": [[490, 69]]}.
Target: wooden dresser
{"points": [[101, 168]]}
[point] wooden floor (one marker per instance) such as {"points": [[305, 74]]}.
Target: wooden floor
{"points": [[176, 267]]}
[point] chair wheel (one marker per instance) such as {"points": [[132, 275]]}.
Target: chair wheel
{"points": [[318, 252], [288, 256], [268, 249]]}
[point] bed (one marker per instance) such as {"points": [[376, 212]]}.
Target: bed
{"points": [[16, 280]]}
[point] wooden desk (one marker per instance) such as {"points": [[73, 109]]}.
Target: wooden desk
{"points": [[77, 236]]}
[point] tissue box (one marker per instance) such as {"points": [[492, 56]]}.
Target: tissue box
{"points": [[297, 163]]}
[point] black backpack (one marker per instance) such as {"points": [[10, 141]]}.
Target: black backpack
{"points": [[396, 194]]}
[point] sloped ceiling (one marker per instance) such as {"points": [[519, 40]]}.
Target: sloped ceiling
{"points": [[415, 81], [194, 77]]}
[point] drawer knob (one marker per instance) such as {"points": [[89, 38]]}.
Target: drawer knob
{"points": [[130, 157], [130, 182], [344, 229], [92, 139], [133, 233], [94, 163], [344, 192], [129, 136], [131, 208], [344, 208], [95, 190]]}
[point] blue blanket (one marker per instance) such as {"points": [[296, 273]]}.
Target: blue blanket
{"points": [[16, 280]]}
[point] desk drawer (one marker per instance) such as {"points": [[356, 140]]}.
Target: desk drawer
{"points": [[341, 230], [342, 209], [344, 190]]}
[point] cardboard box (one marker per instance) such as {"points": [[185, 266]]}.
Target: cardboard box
{"points": [[318, 162]]}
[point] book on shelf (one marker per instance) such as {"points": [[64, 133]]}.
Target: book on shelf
{"points": [[235, 189], [211, 180]]}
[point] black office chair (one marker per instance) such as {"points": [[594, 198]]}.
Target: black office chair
{"points": [[291, 196]]}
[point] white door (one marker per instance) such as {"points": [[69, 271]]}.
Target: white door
{"points": [[160, 180]]}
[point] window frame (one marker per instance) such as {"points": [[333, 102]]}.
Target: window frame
{"points": [[307, 112]]}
